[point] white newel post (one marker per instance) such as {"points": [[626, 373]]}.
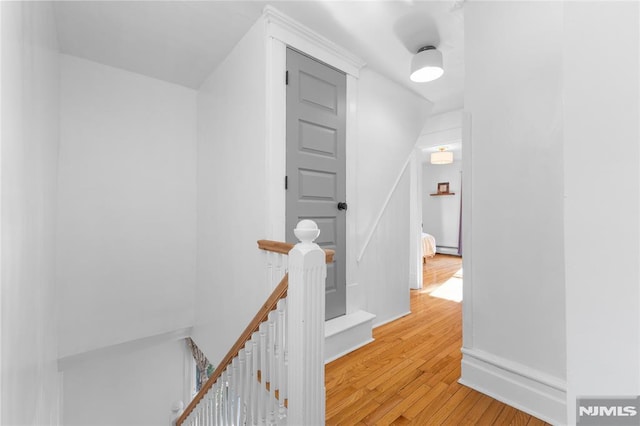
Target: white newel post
{"points": [[306, 300]]}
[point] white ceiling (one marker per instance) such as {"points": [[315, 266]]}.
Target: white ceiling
{"points": [[183, 41]]}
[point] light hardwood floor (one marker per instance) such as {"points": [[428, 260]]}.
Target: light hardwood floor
{"points": [[409, 374]]}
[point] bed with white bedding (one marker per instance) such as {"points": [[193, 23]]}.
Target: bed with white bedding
{"points": [[428, 246]]}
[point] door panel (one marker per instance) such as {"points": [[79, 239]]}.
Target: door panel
{"points": [[316, 131], [319, 140]]}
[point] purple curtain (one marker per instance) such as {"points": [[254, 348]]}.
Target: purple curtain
{"points": [[460, 222]]}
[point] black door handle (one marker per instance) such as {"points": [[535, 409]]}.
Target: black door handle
{"points": [[342, 205]]}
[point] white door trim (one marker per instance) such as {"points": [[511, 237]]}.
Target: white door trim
{"points": [[280, 32], [281, 27]]}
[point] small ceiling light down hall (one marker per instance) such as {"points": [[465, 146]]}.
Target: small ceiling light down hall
{"points": [[426, 65], [442, 157]]}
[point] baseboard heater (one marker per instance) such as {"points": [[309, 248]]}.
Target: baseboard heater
{"points": [[447, 250]]}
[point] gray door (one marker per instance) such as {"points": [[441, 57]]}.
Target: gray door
{"points": [[316, 124]]}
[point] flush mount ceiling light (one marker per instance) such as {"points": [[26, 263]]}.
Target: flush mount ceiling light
{"points": [[426, 65], [442, 157]]}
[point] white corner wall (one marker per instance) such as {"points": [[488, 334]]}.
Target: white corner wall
{"points": [[136, 388], [127, 206], [515, 349], [602, 193], [390, 119], [232, 191], [30, 388]]}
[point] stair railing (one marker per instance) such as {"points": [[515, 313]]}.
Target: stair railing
{"points": [[274, 373]]}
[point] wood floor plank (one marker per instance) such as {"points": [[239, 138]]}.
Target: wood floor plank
{"points": [[490, 415], [476, 412], [347, 396], [520, 419], [374, 417], [426, 415], [409, 374], [405, 404], [535, 422], [506, 415], [455, 415], [435, 393], [449, 407], [401, 421]]}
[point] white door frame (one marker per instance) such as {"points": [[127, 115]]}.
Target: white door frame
{"points": [[280, 32]]}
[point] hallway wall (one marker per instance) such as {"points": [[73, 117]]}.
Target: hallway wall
{"points": [[390, 119], [232, 188], [513, 92], [127, 206], [602, 210], [30, 392], [134, 388], [558, 310]]}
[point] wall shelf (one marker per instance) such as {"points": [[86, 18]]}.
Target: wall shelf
{"points": [[443, 193]]}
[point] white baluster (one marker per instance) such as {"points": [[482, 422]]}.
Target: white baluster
{"points": [[212, 404], [262, 405], [218, 402], [280, 268], [205, 407], [282, 380], [242, 380], [275, 268], [244, 396], [246, 386], [271, 341], [234, 394], [277, 354], [253, 379], [269, 270], [224, 400], [203, 410]]}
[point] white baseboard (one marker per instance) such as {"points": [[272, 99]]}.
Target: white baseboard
{"points": [[447, 250], [524, 388], [388, 320]]}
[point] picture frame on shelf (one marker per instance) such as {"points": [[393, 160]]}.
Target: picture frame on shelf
{"points": [[443, 188]]}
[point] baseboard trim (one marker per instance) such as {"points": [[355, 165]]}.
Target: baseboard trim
{"points": [[387, 321], [346, 351], [522, 387]]}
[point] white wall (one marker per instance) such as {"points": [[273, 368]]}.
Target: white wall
{"points": [[602, 214], [442, 129], [136, 388], [232, 189], [389, 122], [390, 119], [29, 78], [516, 276], [127, 206], [441, 214], [568, 208]]}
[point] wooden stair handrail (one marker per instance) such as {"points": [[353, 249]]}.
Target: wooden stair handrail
{"points": [[285, 248], [278, 293]]}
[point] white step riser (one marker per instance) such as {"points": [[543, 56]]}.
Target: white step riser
{"points": [[347, 333]]}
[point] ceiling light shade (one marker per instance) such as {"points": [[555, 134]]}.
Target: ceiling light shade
{"points": [[442, 157], [426, 65]]}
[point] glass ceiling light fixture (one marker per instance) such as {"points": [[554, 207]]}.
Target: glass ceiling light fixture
{"points": [[442, 156], [426, 65]]}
